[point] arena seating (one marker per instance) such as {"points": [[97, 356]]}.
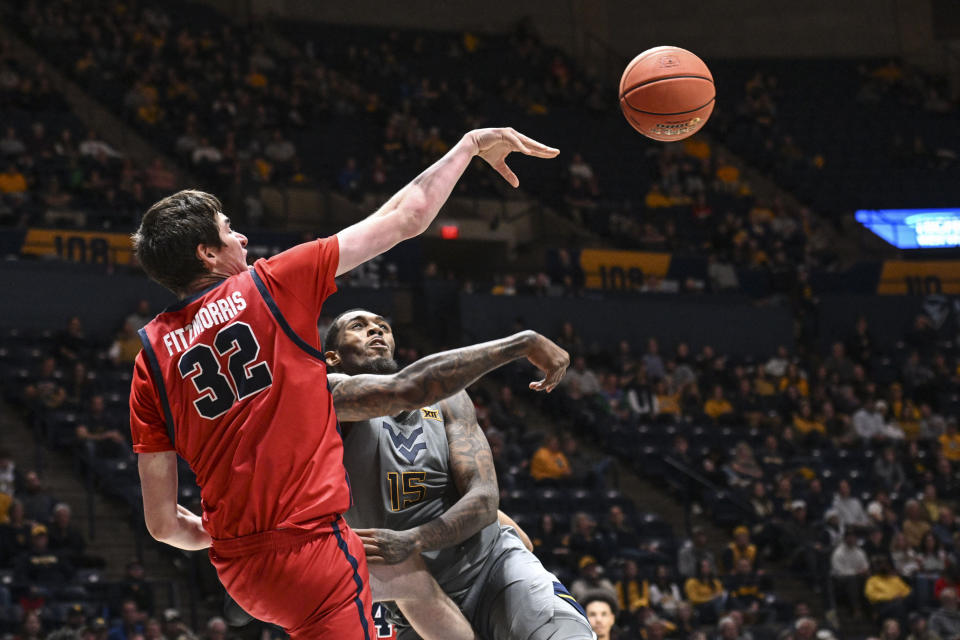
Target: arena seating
{"points": [[375, 96], [361, 110], [794, 455], [901, 151], [54, 171]]}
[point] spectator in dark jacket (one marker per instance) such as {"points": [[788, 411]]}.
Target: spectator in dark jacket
{"points": [[135, 587], [745, 591], [37, 503], [888, 471], [130, 625], [14, 535], [693, 552], [41, 566], [65, 539], [619, 532]]}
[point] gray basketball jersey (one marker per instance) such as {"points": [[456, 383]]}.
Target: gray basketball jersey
{"points": [[399, 475]]}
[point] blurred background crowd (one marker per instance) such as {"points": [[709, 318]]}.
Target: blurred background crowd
{"points": [[689, 487]]}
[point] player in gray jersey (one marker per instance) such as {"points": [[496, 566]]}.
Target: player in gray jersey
{"points": [[424, 482]]}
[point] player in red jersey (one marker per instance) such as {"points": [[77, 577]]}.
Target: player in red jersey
{"points": [[228, 379]]}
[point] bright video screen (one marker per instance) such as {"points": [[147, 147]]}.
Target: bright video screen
{"points": [[914, 228]]}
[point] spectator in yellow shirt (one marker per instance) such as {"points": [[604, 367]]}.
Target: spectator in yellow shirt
{"points": [[949, 441], [633, 592], [794, 378], [697, 148], [717, 406], [667, 402], [762, 385], [12, 181], [705, 593], [727, 173], [256, 80], [549, 463], [149, 114], [886, 591], [930, 503], [915, 525], [806, 423], [126, 345], [656, 198], [434, 146]]}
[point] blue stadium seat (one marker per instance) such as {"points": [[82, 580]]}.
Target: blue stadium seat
{"points": [[584, 500], [652, 525], [551, 500], [518, 501], [85, 577]]}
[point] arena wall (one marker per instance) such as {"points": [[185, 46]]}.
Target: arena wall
{"points": [[43, 295], [751, 27]]}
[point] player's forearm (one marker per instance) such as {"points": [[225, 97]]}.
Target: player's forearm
{"points": [[186, 532], [419, 202], [471, 513], [426, 381], [408, 213]]}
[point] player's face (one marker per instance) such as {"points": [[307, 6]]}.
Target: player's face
{"points": [[231, 258], [600, 617], [366, 344]]}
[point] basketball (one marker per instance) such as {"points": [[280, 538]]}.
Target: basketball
{"points": [[667, 93]]}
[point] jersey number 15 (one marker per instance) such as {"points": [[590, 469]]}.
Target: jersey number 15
{"points": [[406, 488]]}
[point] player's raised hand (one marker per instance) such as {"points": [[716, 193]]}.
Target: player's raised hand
{"points": [[385, 546], [547, 356], [494, 145]]}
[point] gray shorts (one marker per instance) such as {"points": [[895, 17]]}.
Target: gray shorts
{"points": [[516, 598]]}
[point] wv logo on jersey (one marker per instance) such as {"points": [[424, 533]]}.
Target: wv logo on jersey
{"points": [[406, 445]]}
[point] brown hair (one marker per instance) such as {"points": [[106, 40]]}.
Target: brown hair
{"points": [[166, 242]]}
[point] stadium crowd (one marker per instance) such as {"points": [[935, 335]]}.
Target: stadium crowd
{"points": [[69, 387], [842, 466], [52, 171], [248, 122]]}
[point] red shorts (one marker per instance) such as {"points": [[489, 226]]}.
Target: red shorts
{"points": [[312, 582]]}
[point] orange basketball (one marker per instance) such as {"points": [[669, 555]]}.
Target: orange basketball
{"points": [[667, 93]]}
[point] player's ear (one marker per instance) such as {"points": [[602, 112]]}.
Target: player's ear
{"points": [[207, 255], [332, 358]]}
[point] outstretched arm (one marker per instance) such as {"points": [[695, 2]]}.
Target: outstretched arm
{"points": [[471, 465], [441, 375], [411, 210]]}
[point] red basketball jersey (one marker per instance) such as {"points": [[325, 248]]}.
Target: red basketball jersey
{"points": [[233, 379]]}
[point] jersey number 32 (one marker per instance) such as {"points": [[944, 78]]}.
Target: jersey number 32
{"points": [[244, 377]]}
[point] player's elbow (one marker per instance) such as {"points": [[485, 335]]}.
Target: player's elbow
{"points": [[160, 529], [408, 392], [415, 215], [488, 503]]}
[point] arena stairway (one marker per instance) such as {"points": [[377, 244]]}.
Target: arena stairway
{"points": [[113, 539]]}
